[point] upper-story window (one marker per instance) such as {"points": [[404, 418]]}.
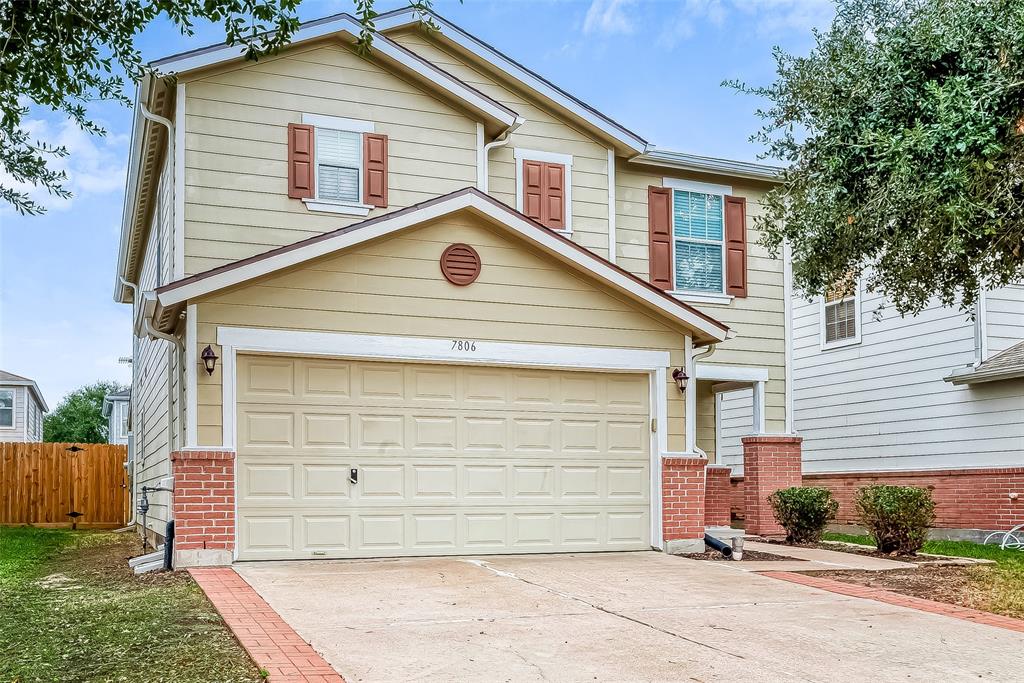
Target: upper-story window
{"points": [[544, 187], [698, 228], [337, 165], [840, 314], [6, 407]]}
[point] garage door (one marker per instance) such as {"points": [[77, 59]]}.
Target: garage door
{"points": [[445, 459]]}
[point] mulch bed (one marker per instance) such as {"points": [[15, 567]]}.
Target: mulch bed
{"points": [[861, 550], [949, 584], [751, 555]]}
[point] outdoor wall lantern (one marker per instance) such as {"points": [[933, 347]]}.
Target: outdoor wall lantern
{"points": [[209, 359], [681, 379]]}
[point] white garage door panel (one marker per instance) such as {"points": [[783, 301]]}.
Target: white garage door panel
{"points": [[450, 459]]}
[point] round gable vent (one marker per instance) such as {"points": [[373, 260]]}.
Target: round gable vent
{"points": [[460, 264]]}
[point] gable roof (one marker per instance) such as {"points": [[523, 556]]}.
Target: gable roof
{"points": [[172, 296], [346, 24], [1007, 364], [11, 380]]}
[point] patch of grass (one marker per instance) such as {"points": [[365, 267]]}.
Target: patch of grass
{"points": [[71, 610], [998, 589]]}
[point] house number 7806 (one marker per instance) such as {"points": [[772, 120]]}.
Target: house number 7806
{"points": [[463, 345]]}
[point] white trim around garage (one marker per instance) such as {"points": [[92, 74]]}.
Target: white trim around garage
{"points": [[235, 340]]}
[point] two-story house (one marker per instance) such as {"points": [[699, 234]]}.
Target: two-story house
{"points": [[425, 302], [22, 408]]}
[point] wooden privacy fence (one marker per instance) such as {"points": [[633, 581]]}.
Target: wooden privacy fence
{"points": [[64, 485]]}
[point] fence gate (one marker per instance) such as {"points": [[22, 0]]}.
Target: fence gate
{"points": [[72, 485]]}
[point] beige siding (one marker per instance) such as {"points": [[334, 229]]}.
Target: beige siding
{"points": [[394, 287], [236, 174], [542, 131], [757, 319]]}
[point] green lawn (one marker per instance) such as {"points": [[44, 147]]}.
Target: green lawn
{"points": [[995, 588], [71, 610]]}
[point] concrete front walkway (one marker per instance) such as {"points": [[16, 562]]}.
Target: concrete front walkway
{"points": [[612, 617]]}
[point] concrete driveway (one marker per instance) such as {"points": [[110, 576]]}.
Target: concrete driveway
{"points": [[612, 617]]}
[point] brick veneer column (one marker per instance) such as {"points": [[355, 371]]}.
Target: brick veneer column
{"points": [[770, 463], [717, 496], [204, 507], [682, 504]]}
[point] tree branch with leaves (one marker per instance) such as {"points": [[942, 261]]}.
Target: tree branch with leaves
{"points": [[902, 133]]}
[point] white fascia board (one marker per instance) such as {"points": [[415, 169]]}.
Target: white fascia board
{"points": [[713, 165], [517, 72], [730, 373], [382, 44], [479, 204]]}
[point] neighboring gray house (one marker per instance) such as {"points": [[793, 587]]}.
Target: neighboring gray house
{"points": [[116, 408], [933, 400], [21, 408]]}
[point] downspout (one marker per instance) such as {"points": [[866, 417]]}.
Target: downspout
{"points": [[135, 347], [500, 141], [693, 375]]}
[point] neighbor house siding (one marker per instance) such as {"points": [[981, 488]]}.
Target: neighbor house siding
{"points": [[1004, 318], [882, 404], [395, 287], [543, 131], [236, 127], [758, 319]]}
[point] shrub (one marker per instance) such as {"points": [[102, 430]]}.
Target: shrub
{"points": [[804, 512], [897, 517]]}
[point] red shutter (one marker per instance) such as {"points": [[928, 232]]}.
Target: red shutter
{"points": [[736, 246], [300, 161], [533, 190], [659, 226], [375, 169], [553, 215]]}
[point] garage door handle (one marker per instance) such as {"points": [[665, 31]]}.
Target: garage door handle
{"points": [[353, 476]]}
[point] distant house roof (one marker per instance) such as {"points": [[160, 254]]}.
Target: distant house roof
{"points": [[115, 397], [1007, 364], [11, 380]]}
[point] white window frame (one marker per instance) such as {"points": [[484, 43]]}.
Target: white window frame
{"points": [[852, 341], [698, 296], [14, 407], [319, 121], [521, 154]]}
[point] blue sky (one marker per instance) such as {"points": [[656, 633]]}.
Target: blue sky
{"points": [[654, 66]]}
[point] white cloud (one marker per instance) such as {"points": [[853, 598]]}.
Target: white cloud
{"points": [[94, 164], [770, 18], [608, 17]]}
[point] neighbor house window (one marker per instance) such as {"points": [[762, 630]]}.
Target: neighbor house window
{"points": [[6, 408], [840, 314], [124, 419], [698, 230]]}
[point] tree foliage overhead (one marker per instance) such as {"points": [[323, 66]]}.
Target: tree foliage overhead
{"points": [[903, 136], [64, 54], [79, 417]]}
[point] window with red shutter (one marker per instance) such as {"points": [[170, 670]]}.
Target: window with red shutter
{"points": [[375, 169], [300, 161], [544, 191]]}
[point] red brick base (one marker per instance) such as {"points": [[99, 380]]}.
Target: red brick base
{"points": [[770, 463], [964, 499], [716, 496], [204, 507], [682, 502]]}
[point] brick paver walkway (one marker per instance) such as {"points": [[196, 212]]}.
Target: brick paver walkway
{"points": [[272, 643], [892, 598]]}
